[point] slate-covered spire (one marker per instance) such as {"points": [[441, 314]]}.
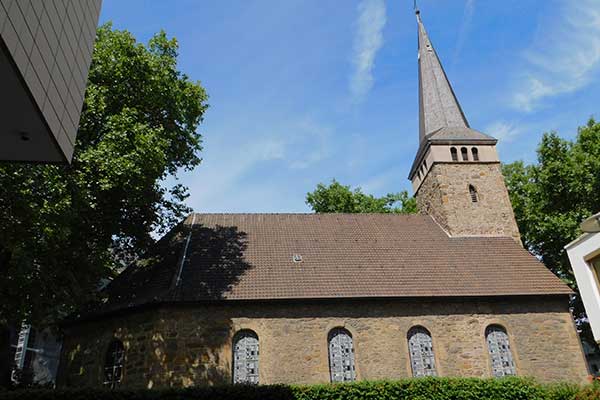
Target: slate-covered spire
{"points": [[438, 106]]}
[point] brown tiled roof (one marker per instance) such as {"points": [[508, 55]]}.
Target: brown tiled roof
{"points": [[250, 257]]}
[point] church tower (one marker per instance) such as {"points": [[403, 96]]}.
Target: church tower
{"points": [[456, 174]]}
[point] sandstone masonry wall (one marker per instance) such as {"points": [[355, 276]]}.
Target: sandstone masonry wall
{"points": [[191, 345], [444, 194]]}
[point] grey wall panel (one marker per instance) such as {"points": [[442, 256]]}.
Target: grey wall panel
{"points": [[48, 45]]}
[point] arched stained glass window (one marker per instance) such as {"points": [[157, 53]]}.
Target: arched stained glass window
{"points": [[420, 347], [341, 356], [464, 154], [245, 357], [475, 153], [454, 153], [500, 353], [113, 364]]}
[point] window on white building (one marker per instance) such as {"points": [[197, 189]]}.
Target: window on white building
{"points": [[595, 263], [25, 352]]}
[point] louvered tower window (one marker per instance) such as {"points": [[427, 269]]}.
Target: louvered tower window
{"points": [[420, 347], [245, 357], [500, 354], [113, 364], [464, 154], [454, 153], [475, 153], [341, 356], [473, 194]]}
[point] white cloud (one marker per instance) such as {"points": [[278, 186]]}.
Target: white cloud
{"points": [[227, 178], [226, 165], [368, 40], [564, 56], [505, 132], [378, 182], [309, 145], [464, 28]]}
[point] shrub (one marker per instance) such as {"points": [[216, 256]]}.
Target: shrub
{"points": [[406, 389], [436, 389], [591, 392]]}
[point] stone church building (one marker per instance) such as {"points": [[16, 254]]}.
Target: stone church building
{"points": [[313, 298]]}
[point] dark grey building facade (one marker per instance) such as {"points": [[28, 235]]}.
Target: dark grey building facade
{"points": [[45, 52]]}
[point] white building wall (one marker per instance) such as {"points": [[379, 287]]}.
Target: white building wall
{"points": [[579, 252]]}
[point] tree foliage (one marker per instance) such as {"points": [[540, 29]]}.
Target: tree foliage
{"points": [[65, 227], [337, 198], [552, 196]]}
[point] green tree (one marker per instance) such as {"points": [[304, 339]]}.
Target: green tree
{"points": [[552, 196], [67, 227], [337, 198]]}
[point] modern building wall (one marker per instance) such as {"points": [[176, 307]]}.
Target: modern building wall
{"points": [[45, 53], [581, 252], [190, 345], [37, 352]]}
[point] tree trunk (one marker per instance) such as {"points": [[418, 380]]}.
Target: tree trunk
{"points": [[5, 361]]}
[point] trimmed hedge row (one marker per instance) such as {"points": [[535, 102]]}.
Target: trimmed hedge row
{"points": [[407, 389]]}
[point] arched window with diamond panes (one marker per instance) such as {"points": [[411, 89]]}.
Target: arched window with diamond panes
{"points": [[501, 357], [420, 347], [113, 364], [245, 357], [341, 356]]}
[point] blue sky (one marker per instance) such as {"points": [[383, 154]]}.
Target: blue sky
{"points": [[305, 91]]}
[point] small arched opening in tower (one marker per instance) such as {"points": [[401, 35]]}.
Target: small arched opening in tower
{"points": [[454, 153], [473, 194], [475, 153], [464, 153]]}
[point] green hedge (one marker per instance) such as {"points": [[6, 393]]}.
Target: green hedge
{"points": [[407, 389]]}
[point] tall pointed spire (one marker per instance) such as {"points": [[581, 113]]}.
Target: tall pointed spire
{"points": [[441, 120], [438, 106]]}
